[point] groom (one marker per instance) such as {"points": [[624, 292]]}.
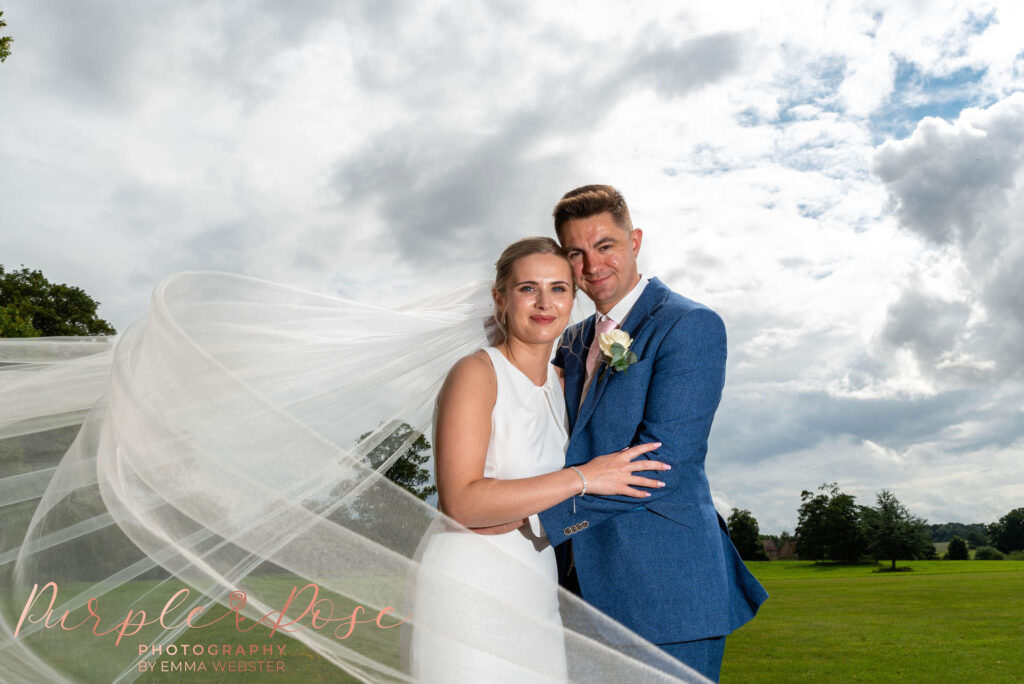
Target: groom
{"points": [[663, 566]]}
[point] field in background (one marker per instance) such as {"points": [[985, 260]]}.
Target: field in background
{"points": [[941, 621]]}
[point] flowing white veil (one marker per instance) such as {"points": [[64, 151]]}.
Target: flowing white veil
{"points": [[235, 440]]}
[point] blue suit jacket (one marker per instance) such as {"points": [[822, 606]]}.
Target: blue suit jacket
{"points": [[663, 566]]}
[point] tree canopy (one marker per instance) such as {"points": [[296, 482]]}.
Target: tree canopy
{"points": [[408, 470], [377, 504], [1008, 533], [5, 41], [829, 527], [32, 306], [745, 535], [893, 533]]}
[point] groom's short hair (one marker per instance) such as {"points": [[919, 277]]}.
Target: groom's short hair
{"points": [[590, 200]]}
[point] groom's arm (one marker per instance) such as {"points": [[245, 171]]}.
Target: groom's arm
{"points": [[683, 394]]}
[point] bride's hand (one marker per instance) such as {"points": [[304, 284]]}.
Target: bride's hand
{"points": [[613, 473]]}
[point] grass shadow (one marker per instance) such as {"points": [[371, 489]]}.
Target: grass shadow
{"points": [[826, 566]]}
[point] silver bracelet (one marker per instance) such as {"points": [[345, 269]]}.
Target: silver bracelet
{"points": [[580, 473]]}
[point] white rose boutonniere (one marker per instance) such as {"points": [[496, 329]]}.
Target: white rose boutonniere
{"points": [[615, 349]]}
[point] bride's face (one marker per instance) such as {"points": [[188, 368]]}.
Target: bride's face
{"points": [[538, 298]]}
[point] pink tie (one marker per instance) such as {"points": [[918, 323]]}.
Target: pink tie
{"points": [[606, 325]]}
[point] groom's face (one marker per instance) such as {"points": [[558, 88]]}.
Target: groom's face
{"points": [[603, 258]]}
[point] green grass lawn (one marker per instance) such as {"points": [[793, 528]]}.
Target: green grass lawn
{"points": [[944, 621]]}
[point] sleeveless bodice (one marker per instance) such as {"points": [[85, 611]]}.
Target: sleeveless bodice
{"points": [[528, 426], [528, 423], [510, 578]]}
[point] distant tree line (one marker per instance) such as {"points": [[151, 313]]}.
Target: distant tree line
{"points": [[975, 534], [990, 542], [832, 526]]}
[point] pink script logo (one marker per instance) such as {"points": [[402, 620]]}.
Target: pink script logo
{"points": [[319, 610]]}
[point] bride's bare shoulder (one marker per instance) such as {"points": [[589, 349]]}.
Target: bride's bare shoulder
{"points": [[476, 363], [472, 374]]}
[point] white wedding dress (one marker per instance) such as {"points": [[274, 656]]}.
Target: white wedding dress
{"points": [[517, 569]]}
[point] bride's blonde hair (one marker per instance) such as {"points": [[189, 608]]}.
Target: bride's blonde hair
{"points": [[496, 330]]}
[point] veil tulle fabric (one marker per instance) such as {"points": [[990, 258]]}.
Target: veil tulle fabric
{"points": [[234, 440]]}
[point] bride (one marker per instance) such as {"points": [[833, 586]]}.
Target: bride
{"points": [[499, 439], [233, 444]]}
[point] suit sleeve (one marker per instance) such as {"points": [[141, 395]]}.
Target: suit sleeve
{"points": [[682, 397]]}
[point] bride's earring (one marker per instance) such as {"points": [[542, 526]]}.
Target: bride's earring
{"points": [[503, 319]]}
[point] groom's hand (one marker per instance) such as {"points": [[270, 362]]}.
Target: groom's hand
{"points": [[499, 529]]}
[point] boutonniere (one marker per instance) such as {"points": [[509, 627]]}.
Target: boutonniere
{"points": [[615, 349]]}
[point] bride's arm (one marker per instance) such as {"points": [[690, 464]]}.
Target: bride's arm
{"points": [[461, 436]]}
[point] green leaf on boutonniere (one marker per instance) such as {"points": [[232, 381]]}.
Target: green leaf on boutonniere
{"points": [[618, 357]]}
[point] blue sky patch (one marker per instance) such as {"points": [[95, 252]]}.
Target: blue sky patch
{"points": [[917, 94]]}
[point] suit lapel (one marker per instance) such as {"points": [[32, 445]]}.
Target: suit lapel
{"points": [[654, 294]]}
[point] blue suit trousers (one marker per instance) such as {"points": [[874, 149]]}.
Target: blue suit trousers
{"points": [[703, 655]]}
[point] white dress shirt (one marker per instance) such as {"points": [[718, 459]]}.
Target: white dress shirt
{"points": [[618, 314]]}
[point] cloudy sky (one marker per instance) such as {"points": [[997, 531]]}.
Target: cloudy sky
{"points": [[842, 181]]}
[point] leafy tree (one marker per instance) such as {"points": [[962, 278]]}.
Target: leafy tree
{"points": [[988, 553], [408, 470], [30, 306], [957, 549], [14, 323], [5, 42], [1008, 534], [376, 503], [829, 527], [743, 531], [893, 533]]}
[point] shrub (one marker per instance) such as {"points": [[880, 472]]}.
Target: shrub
{"points": [[988, 553], [957, 549]]}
